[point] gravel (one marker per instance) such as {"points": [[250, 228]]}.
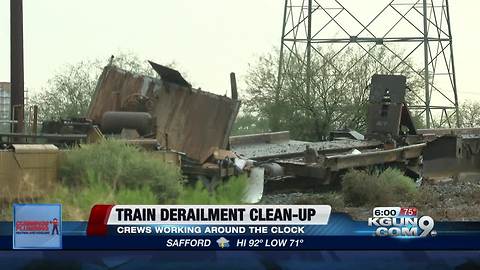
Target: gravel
{"points": [[443, 200]]}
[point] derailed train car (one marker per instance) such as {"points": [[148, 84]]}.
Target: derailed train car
{"points": [[391, 140], [182, 118], [167, 114], [191, 128], [179, 124]]}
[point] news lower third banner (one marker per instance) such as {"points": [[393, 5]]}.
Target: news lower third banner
{"points": [[234, 227]]}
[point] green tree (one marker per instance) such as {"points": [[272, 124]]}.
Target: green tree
{"points": [[337, 98], [68, 93], [469, 113], [248, 123]]}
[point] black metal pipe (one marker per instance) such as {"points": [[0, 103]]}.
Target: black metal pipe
{"points": [[233, 86], [17, 101]]}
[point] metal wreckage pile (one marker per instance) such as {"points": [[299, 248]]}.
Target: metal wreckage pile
{"points": [[191, 129]]}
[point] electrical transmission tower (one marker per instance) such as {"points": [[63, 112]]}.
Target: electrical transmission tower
{"points": [[414, 35]]}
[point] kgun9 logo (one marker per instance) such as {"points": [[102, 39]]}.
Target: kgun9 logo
{"points": [[403, 226]]}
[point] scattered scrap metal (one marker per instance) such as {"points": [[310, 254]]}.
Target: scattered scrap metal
{"points": [[180, 119], [391, 140], [191, 128]]}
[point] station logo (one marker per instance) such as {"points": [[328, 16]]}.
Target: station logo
{"points": [[37, 226], [401, 222]]}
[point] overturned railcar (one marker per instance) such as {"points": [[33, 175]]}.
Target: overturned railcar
{"points": [[185, 119]]}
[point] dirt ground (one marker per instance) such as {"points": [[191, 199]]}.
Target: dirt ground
{"points": [[442, 199]]}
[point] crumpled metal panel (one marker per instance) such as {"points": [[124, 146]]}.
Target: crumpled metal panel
{"points": [[452, 155], [169, 75], [394, 86], [114, 87], [186, 119]]}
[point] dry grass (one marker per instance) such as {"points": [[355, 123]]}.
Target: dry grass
{"points": [[335, 200]]}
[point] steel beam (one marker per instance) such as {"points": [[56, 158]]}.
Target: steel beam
{"points": [[337, 28]]}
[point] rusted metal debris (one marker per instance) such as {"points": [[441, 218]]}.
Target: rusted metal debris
{"points": [[450, 131], [170, 75], [389, 125], [191, 128], [452, 155], [329, 157], [278, 145], [391, 139], [388, 114], [191, 123], [199, 123], [185, 119]]}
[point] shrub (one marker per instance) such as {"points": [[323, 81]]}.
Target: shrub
{"points": [[120, 167], [231, 191], [112, 172], [77, 201], [375, 188]]}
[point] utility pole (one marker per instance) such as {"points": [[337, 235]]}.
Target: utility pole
{"points": [[17, 102]]}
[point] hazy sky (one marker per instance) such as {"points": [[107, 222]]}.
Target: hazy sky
{"points": [[208, 39]]}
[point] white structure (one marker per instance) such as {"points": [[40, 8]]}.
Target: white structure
{"points": [[4, 106]]}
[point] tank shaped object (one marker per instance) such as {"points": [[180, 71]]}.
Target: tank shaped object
{"points": [[114, 122]]}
